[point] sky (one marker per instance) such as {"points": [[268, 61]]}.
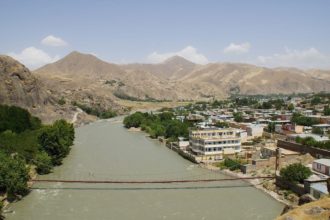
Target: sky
{"points": [[272, 33]]}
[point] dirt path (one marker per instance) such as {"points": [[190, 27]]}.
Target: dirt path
{"points": [[75, 116]]}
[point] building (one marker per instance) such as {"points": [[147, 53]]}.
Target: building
{"points": [[323, 127], [214, 143], [318, 190], [270, 151], [254, 130], [322, 166]]}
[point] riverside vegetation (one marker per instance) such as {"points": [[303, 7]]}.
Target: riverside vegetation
{"points": [[156, 125], [27, 144]]}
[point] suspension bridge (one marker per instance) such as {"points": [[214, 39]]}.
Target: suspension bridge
{"points": [[150, 181]]}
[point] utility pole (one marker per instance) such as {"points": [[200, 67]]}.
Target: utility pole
{"points": [[278, 158]]}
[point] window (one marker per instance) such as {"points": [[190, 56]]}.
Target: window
{"points": [[318, 166]]}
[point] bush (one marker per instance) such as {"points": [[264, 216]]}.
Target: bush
{"points": [[238, 116], [25, 144], [107, 114], [61, 101], [302, 120], [230, 164], [17, 119], [13, 175], [56, 140], [161, 124], [222, 124], [295, 173], [43, 162], [99, 112]]}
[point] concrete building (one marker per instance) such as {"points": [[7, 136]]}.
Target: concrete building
{"points": [[214, 143], [322, 166], [317, 190], [255, 130]]}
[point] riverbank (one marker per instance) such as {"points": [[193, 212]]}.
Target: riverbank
{"points": [[5, 202], [116, 150], [255, 182]]}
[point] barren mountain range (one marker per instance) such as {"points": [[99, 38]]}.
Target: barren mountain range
{"points": [[179, 79], [86, 79]]}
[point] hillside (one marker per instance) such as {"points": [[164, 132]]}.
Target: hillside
{"points": [[318, 210], [226, 78], [173, 68], [19, 87], [85, 77]]}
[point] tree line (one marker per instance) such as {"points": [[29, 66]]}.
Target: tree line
{"points": [[25, 143], [163, 124]]}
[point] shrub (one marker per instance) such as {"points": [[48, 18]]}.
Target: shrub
{"points": [[16, 119], [56, 140], [13, 175], [295, 173], [61, 101], [43, 162]]}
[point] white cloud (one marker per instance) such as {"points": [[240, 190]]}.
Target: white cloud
{"points": [[233, 48], [33, 57], [308, 58], [53, 41], [190, 53]]}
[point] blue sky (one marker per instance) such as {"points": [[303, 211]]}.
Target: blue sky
{"points": [[268, 33]]}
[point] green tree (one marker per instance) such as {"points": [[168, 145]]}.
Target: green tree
{"points": [[56, 140], [13, 175], [266, 105], [135, 120], [107, 114], [238, 116], [221, 124], [175, 129], [316, 100], [43, 162], [326, 110], [16, 119], [271, 127], [291, 107], [295, 173], [317, 130], [157, 130], [303, 120]]}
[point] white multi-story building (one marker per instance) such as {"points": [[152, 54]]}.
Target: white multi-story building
{"points": [[214, 143]]}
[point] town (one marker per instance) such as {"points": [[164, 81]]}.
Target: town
{"points": [[246, 136]]}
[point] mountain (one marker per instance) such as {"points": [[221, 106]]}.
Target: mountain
{"points": [[81, 65], [227, 78], [86, 78], [91, 82], [173, 68], [18, 86], [320, 74]]}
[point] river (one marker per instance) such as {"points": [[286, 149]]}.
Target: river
{"points": [[105, 150]]}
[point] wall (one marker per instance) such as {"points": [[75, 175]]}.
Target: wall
{"points": [[296, 188], [315, 152]]}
